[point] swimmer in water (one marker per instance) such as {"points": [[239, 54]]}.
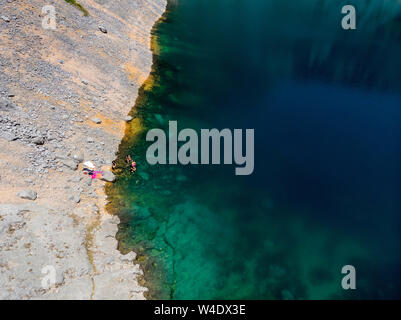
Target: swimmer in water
{"points": [[133, 166]]}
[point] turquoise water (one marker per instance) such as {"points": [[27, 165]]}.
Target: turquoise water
{"points": [[325, 106]]}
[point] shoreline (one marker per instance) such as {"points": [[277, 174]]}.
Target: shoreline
{"points": [[64, 98], [133, 129]]}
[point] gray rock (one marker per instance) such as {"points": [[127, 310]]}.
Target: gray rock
{"points": [[108, 176], [129, 257], [92, 194], [128, 118], [8, 136], [38, 141], [96, 120], [51, 136], [93, 207], [73, 165], [61, 156], [27, 194], [87, 180], [6, 105], [102, 29], [76, 179], [6, 19], [85, 82], [75, 198]]}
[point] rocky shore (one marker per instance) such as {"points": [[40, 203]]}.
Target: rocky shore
{"points": [[64, 99]]}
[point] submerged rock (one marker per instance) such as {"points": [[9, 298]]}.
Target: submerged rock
{"points": [[181, 178], [144, 175], [287, 295], [277, 271], [159, 118]]}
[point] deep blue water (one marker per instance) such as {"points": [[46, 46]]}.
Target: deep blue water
{"points": [[325, 106]]}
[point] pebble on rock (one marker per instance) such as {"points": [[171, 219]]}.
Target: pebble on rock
{"points": [[79, 156], [102, 29]]}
